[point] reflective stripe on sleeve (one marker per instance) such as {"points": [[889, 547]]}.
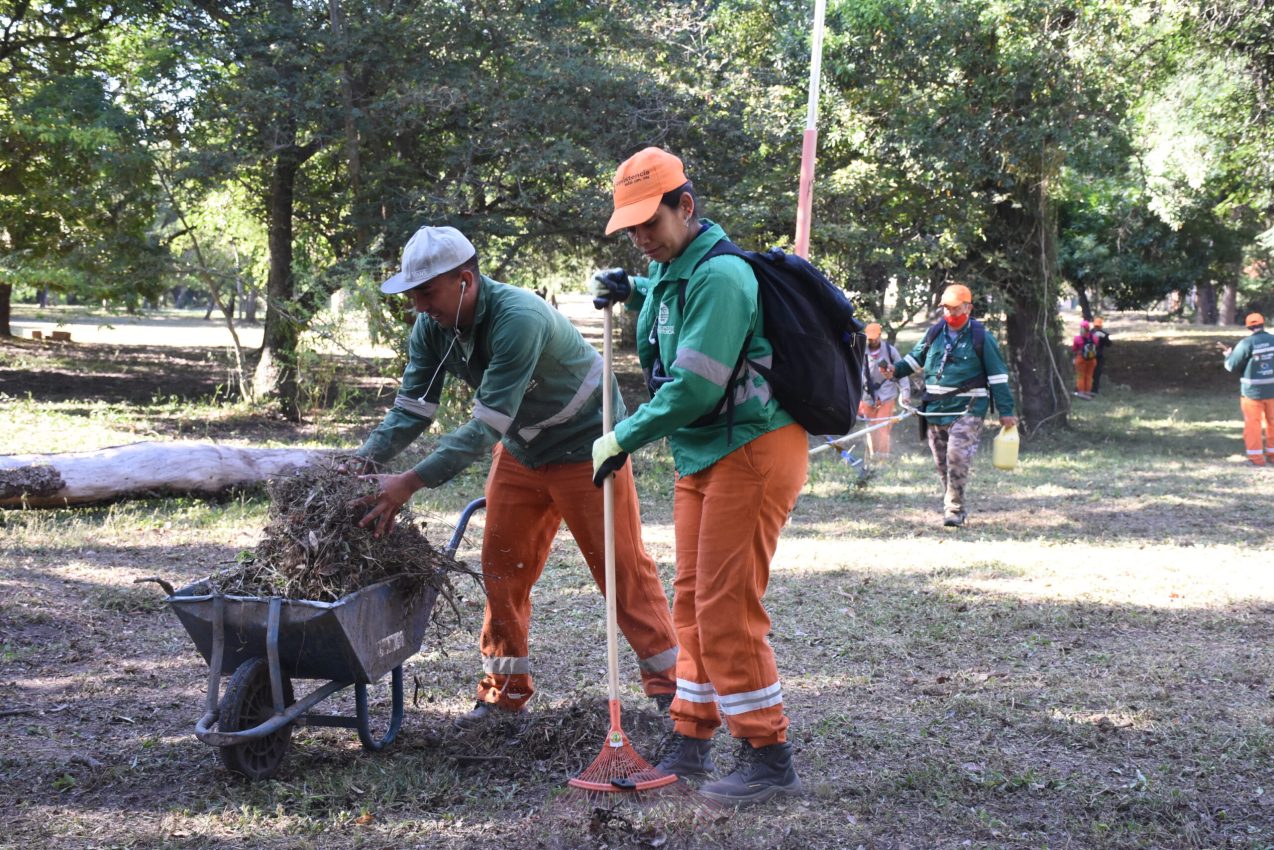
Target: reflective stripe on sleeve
{"points": [[732, 704], [591, 382], [911, 361], [497, 420], [708, 368], [506, 665], [696, 691], [420, 407], [997, 379]]}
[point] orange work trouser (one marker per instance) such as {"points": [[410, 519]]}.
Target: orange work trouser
{"points": [[1258, 412], [1084, 374], [728, 519], [874, 414], [525, 508]]}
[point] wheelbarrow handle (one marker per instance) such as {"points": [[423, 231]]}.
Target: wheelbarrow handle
{"points": [[462, 523]]}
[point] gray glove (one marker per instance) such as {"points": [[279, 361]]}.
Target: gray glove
{"points": [[610, 286]]}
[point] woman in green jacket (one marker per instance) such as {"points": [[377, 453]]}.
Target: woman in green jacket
{"points": [[738, 472]]}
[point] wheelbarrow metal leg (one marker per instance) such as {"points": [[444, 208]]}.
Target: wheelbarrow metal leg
{"points": [[218, 650], [395, 717]]}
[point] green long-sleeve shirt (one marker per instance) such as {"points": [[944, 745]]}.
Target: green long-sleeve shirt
{"points": [[945, 372], [1253, 359], [699, 345], [538, 387]]}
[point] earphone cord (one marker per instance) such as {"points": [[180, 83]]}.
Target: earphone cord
{"points": [[455, 336]]}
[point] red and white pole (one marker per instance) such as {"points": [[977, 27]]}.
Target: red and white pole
{"points": [[809, 145]]}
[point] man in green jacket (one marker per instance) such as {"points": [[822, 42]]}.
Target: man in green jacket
{"points": [[1253, 359], [963, 370], [537, 411]]}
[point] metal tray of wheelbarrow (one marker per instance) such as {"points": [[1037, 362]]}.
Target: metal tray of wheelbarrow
{"points": [[356, 639]]}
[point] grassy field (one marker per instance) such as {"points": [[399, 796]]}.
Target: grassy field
{"points": [[1086, 665]]}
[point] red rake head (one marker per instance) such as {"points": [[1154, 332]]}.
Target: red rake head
{"points": [[618, 768]]}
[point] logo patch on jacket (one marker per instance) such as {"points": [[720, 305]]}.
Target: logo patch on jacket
{"points": [[664, 323]]}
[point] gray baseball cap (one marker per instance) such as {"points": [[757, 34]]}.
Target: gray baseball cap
{"points": [[431, 251]]}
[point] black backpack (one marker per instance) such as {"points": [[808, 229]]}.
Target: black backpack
{"points": [[817, 369]]}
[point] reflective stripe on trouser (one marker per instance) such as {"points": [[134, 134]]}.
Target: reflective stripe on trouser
{"points": [[525, 509], [1084, 374], [728, 518], [1258, 413], [879, 437], [953, 448]]}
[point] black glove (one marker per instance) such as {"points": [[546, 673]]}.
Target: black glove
{"points": [[610, 286]]}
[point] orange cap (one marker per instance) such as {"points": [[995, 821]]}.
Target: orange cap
{"points": [[1097, 322], [640, 181], [872, 331], [955, 295], [1254, 319]]}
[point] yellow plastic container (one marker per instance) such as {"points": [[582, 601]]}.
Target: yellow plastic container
{"points": [[1004, 448]]}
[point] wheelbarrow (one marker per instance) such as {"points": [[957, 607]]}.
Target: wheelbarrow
{"points": [[263, 643]]}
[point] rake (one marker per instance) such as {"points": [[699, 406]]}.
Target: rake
{"points": [[618, 768]]}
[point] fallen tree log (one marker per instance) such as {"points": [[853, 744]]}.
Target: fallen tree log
{"points": [[141, 469]]}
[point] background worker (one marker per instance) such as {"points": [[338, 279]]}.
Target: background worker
{"points": [[1253, 359], [737, 480], [880, 393], [537, 411], [1084, 347], [1103, 342], [963, 369]]}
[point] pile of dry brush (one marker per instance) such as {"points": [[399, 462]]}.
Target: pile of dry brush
{"points": [[312, 547]]}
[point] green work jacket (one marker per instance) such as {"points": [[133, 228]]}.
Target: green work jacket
{"points": [[1253, 359], [538, 387], [944, 372], [699, 346]]}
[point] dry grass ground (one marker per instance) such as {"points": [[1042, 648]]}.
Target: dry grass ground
{"points": [[1087, 665]]}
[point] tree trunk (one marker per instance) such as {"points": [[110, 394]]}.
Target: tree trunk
{"points": [[1205, 311], [6, 309], [140, 469], [276, 375], [1229, 303], [1085, 308]]}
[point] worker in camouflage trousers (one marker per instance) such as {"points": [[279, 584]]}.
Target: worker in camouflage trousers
{"points": [[963, 371], [537, 409], [1253, 359], [738, 473]]}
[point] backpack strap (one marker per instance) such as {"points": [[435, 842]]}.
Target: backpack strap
{"points": [[723, 247]]}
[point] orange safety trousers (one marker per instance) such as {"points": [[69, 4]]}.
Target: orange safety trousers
{"points": [[1084, 374], [873, 415], [728, 518], [525, 509], [1258, 413]]}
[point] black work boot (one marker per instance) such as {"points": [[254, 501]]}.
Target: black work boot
{"points": [[759, 775], [687, 757], [486, 713]]}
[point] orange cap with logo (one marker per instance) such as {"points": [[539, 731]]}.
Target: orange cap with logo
{"points": [[872, 331], [1254, 319], [955, 295], [1097, 322], [640, 181]]}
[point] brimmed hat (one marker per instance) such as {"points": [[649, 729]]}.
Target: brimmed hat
{"points": [[640, 181], [1083, 326], [955, 295], [872, 331], [431, 251], [1253, 320]]}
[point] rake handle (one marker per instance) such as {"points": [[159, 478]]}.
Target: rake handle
{"points": [[608, 518]]}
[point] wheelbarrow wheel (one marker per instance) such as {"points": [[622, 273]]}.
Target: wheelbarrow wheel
{"points": [[247, 703]]}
